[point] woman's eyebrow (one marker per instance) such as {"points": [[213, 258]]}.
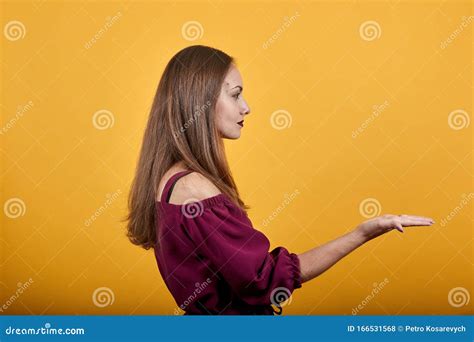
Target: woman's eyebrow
{"points": [[238, 87]]}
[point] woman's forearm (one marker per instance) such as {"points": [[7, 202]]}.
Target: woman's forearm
{"points": [[321, 258]]}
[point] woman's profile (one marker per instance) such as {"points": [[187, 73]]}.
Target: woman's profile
{"points": [[185, 204]]}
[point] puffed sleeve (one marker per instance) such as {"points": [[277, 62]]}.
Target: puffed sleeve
{"points": [[224, 234]]}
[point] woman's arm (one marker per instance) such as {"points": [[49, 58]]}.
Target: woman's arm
{"points": [[321, 258]]}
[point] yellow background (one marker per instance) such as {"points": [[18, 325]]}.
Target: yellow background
{"points": [[318, 68]]}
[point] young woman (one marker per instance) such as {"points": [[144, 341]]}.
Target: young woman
{"points": [[185, 204]]}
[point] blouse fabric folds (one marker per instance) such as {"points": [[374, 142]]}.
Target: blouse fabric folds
{"points": [[214, 262]]}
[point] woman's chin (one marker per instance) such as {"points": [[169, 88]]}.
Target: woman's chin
{"points": [[232, 135]]}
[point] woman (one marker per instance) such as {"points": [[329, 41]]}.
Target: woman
{"points": [[185, 204]]}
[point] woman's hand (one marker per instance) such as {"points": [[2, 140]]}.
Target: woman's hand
{"points": [[380, 225], [321, 258]]}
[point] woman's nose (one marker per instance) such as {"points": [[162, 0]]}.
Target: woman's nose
{"points": [[245, 109]]}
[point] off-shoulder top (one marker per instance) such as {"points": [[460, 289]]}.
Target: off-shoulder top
{"points": [[214, 262]]}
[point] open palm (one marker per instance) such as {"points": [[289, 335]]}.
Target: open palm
{"points": [[382, 224]]}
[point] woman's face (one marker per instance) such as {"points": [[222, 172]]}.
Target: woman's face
{"points": [[231, 106]]}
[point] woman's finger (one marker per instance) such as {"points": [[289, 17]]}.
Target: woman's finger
{"points": [[417, 217], [399, 228], [415, 222]]}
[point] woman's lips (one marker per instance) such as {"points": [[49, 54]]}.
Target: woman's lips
{"points": [[241, 123]]}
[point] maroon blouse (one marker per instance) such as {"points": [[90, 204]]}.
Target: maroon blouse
{"points": [[214, 262]]}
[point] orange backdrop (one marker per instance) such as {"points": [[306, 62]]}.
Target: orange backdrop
{"points": [[358, 109]]}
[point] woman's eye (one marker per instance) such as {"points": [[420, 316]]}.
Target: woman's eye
{"points": [[236, 96]]}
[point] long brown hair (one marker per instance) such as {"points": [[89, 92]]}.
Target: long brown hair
{"points": [[181, 127]]}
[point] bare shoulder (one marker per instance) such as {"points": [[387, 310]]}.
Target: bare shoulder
{"points": [[193, 186]]}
